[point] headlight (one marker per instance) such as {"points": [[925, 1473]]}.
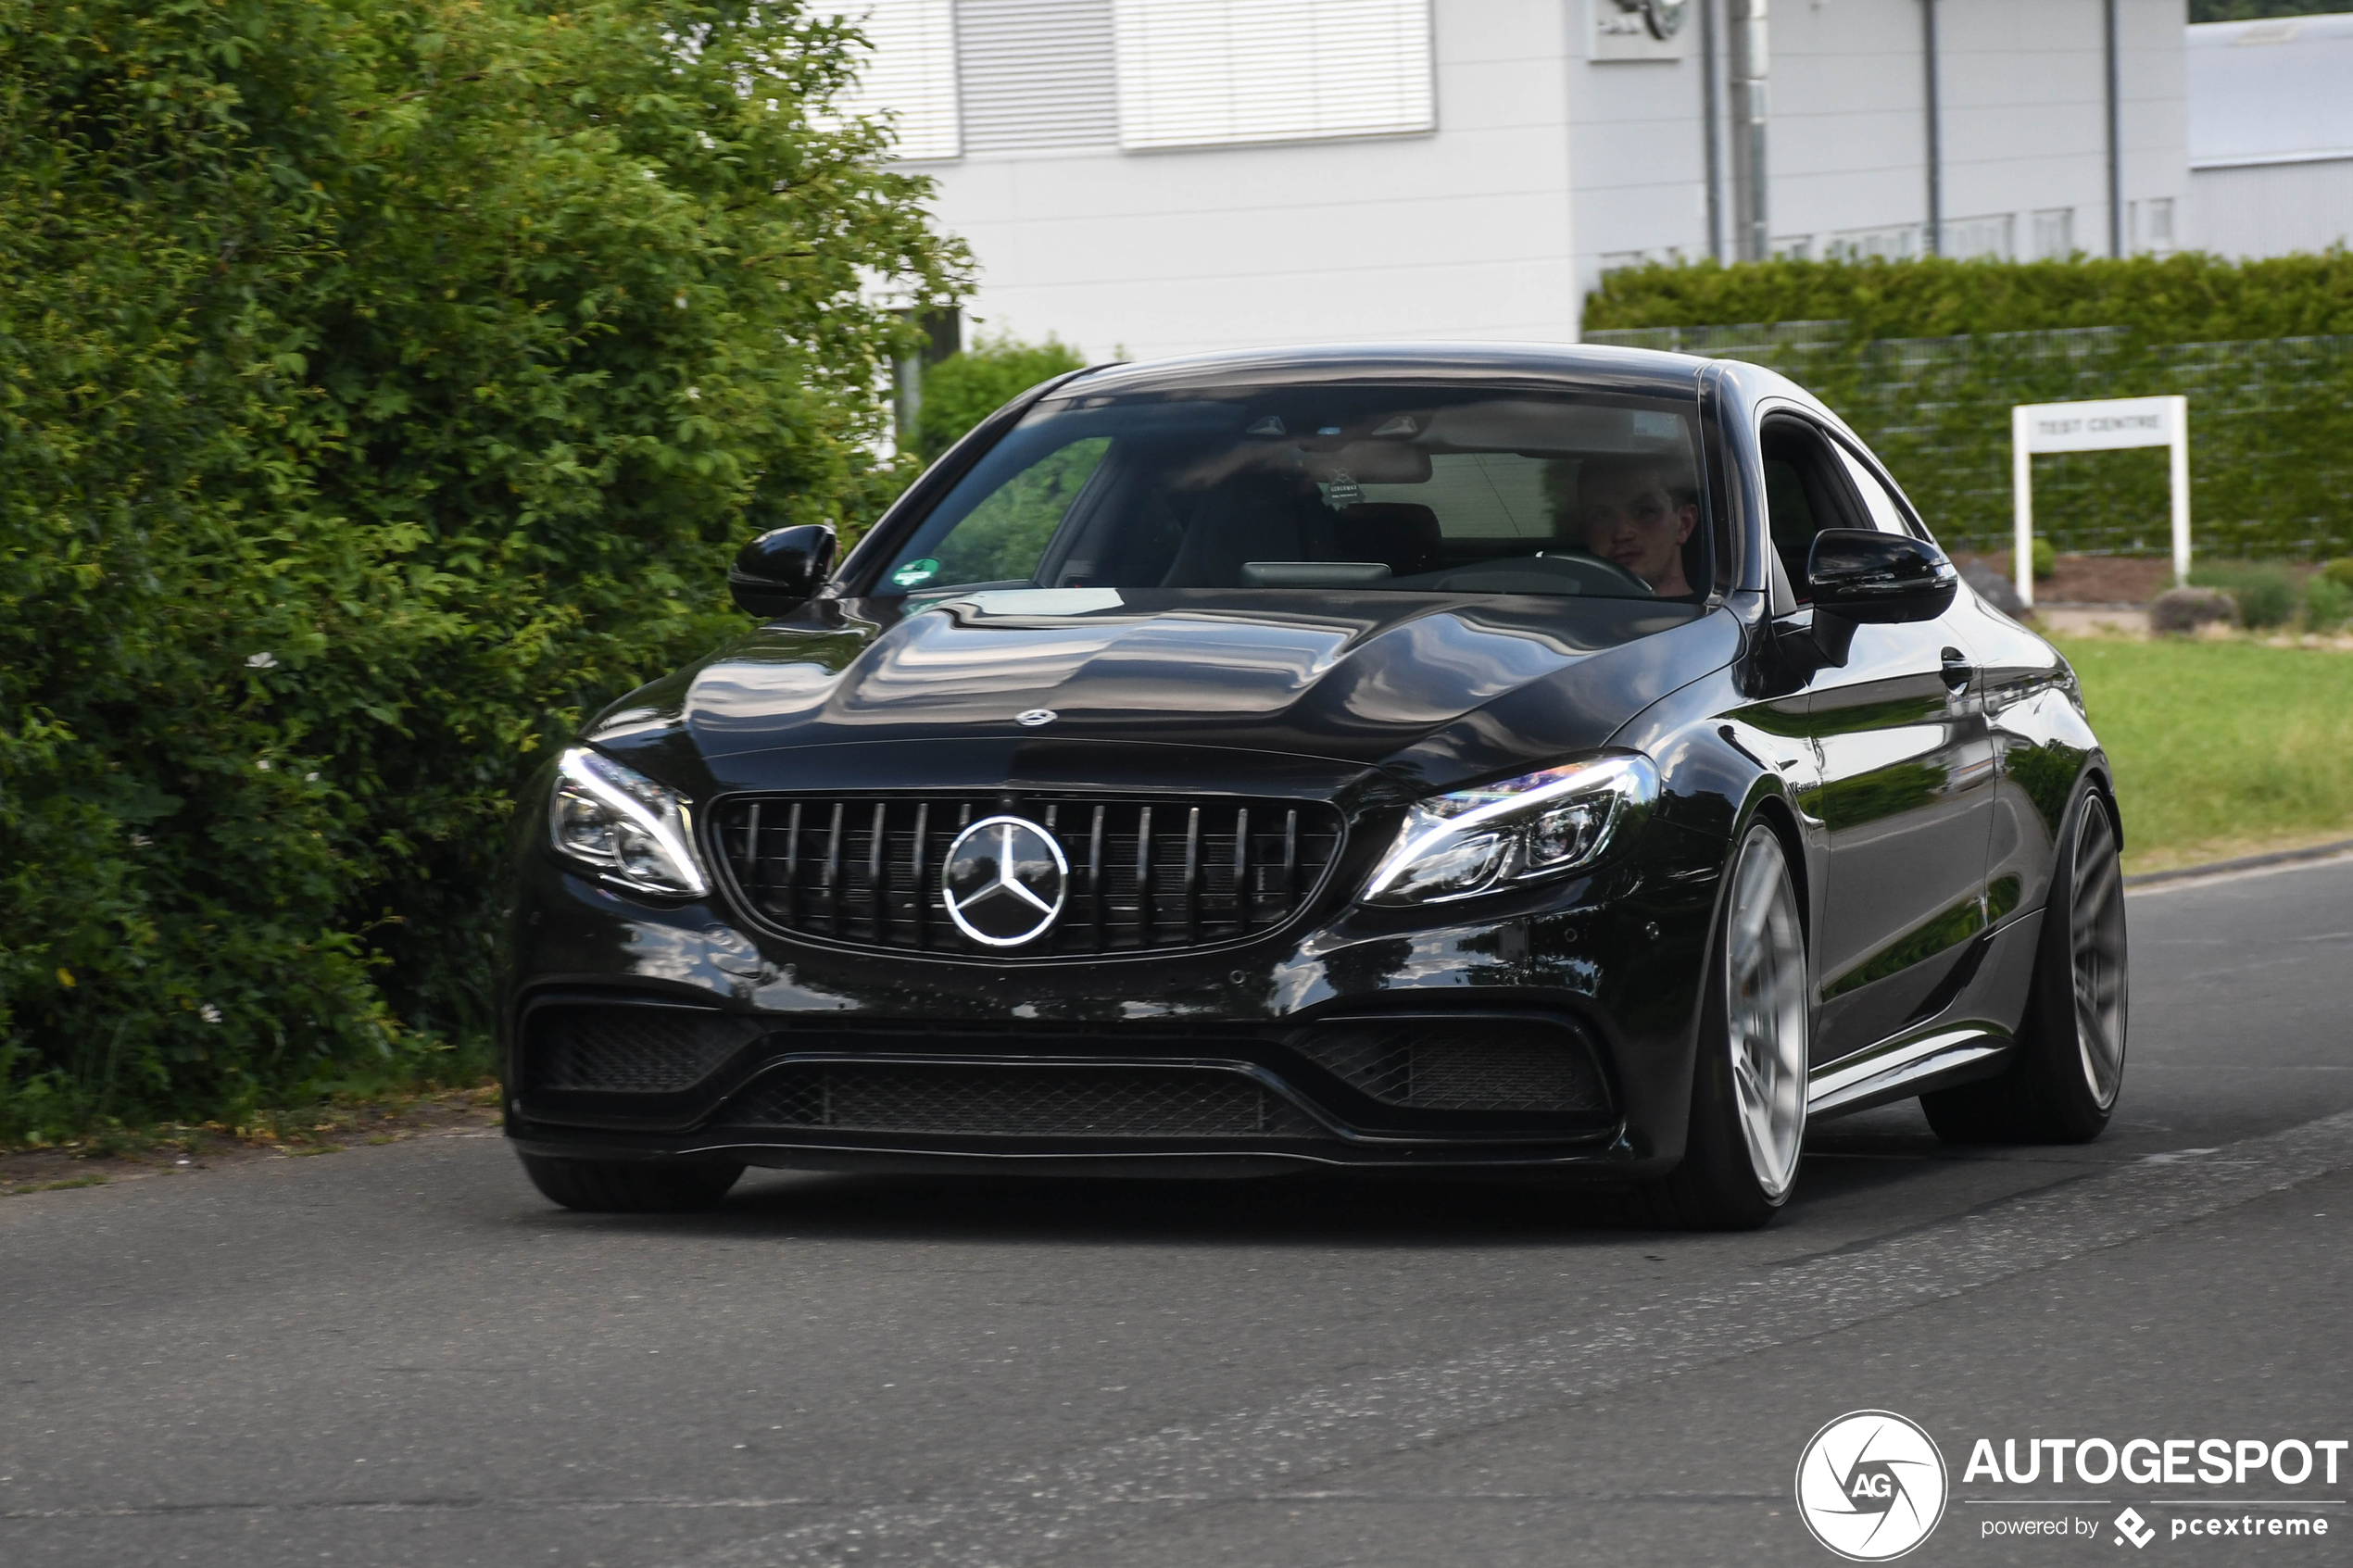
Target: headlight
{"points": [[1536, 825], [625, 825]]}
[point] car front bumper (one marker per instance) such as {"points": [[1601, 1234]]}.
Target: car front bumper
{"points": [[1351, 1037]]}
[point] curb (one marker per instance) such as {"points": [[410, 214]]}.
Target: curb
{"points": [[2249, 864]]}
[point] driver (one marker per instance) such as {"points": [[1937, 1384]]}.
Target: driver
{"points": [[1637, 511]]}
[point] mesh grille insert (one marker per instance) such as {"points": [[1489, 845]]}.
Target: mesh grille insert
{"points": [[1523, 1064], [1145, 875], [1020, 1102], [629, 1047]]}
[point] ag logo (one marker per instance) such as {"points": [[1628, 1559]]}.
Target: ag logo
{"points": [[1871, 1485], [1005, 880]]}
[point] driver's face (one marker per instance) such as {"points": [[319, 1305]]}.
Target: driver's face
{"points": [[1630, 520]]}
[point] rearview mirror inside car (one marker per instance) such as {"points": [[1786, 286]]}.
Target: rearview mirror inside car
{"points": [[777, 572], [1863, 575]]}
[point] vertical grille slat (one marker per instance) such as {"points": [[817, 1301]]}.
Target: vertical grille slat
{"points": [[1146, 876]]}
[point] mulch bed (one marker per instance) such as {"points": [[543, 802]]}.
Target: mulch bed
{"points": [[2094, 580]]}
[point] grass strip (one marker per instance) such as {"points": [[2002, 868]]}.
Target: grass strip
{"points": [[2221, 749]]}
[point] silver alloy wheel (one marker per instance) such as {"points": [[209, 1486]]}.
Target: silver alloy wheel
{"points": [[2096, 954], [1764, 1011]]}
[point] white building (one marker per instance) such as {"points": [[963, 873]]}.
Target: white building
{"points": [[1159, 176], [2271, 134]]}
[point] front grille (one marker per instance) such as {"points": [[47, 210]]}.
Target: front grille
{"points": [[1020, 1102], [626, 1047], [1146, 876], [1470, 1063]]}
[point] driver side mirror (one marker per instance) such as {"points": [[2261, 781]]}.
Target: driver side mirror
{"points": [[1860, 574], [779, 571]]}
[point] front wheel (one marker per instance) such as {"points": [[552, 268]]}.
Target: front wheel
{"points": [[1748, 1086], [631, 1187], [2067, 1065]]}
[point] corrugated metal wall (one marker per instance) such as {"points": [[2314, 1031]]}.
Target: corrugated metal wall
{"points": [[2271, 209]]}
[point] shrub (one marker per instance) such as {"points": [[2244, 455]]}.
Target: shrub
{"points": [[2327, 604], [2264, 594], [380, 390], [2185, 609], [965, 388], [2187, 297], [2046, 560], [2339, 571]]}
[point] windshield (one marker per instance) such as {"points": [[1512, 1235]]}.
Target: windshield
{"points": [[1361, 488]]}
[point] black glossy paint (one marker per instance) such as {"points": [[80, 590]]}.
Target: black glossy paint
{"points": [[1920, 771]]}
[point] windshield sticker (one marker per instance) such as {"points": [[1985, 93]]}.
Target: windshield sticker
{"points": [[1343, 491], [916, 573]]}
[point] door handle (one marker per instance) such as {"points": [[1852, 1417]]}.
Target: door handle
{"points": [[1957, 669]]}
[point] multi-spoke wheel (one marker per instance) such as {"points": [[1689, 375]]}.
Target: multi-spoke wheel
{"points": [[2067, 1066], [1748, 1088]]}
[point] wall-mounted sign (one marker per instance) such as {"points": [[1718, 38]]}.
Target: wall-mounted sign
{"points": [[2105, 426], [1638, 30]]}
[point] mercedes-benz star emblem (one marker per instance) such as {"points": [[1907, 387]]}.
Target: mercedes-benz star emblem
{"points": [[1036, 717], [1005, 881]]}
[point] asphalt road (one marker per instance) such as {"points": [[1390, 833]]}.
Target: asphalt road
{"points": [[402, 1356]]}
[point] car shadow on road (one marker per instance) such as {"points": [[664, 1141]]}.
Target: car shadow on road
{"points": [[1849, 1162]]}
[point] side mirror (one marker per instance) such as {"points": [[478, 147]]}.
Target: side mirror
{"points": [[779, 571], [1860, 574]]}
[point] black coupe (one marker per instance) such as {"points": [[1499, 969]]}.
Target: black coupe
{"points": [[1413, 757]]}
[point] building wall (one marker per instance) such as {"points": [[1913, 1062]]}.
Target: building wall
{"points": [[2270, 209], [1547, 166], [1462, 233], [2022, 98]]}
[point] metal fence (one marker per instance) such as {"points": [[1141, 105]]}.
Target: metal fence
{"points": [[2271, 430]]}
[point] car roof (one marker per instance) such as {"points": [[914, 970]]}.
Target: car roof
{"points": [[1591, 367]]}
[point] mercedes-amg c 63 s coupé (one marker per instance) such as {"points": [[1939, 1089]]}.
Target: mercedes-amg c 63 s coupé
{"points": [[1475, 757]]}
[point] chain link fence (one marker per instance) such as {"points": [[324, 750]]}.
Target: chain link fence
{"points": [[2271, 430]]}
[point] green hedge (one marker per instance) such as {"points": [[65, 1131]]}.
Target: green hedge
{"points": [[2181, 298], [1926, 359], [382, 387]]}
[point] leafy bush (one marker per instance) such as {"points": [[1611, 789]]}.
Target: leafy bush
{"points": [[2046, 560], [965, 388], [2188, 297], [381, 388], [2327, 604], [2339, 571], [2265, 594]]}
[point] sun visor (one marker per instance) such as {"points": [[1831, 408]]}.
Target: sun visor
{"points": [[1546, 428]]}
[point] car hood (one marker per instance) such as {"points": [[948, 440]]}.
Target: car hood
{"points": [[1435, 687]]}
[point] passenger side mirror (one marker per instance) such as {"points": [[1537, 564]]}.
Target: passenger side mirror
{"points": [[779, 571], [1861, 574]]}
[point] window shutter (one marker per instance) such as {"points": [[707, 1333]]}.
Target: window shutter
{"points": [[1206, 73], [1036, 73], [909, 73]]}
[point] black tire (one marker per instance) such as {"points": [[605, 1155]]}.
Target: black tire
{"points": [[2067, 1066], [631, 1187], [1719, 1186]]}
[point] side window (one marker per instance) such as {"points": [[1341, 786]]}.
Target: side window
{"points": [[1806, 490], [1886, 516]]}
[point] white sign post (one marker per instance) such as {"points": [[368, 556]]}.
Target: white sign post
{"points": [[2098, 427]]}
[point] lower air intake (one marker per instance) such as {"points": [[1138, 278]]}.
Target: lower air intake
{"points": [[1020, 1102], [1504, 1063], [626, 1047]]}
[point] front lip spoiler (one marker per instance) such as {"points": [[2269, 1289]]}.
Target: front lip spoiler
{"points": [[1604, 1160]]}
